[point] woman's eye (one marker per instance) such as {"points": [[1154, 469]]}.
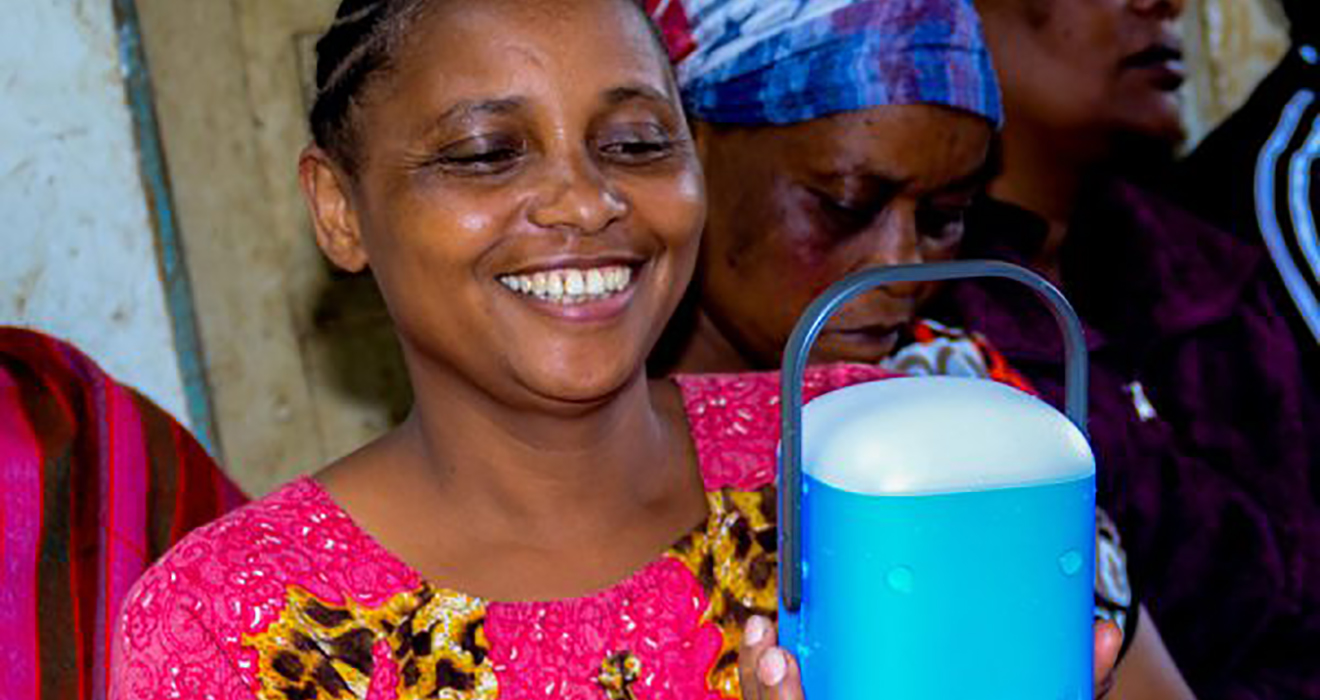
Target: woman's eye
{"points": [[636, 146], [847, 212], [942, 225], [480, 156], [636, 149], [849, 208]]}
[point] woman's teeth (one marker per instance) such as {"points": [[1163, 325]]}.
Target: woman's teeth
{"points": [[571, 286]]}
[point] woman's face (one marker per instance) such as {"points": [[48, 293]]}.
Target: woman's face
{"points": [[794, 209], [527, 197], [1089, 67]]}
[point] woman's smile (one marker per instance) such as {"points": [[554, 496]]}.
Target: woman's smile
{"points": [[584, 291], [572, 286]]}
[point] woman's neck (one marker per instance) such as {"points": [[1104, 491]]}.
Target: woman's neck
{"points": [[1044, 179], [526, 503], [525, 464]]}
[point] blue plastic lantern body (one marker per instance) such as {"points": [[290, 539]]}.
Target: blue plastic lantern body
{"points": [[948, 545], [943, 533]]}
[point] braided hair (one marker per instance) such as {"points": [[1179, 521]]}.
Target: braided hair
{"points": [[360, 44]]}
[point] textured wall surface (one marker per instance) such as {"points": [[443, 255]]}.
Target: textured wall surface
{"points": [[79, 256], [1231, 45], [302, 363], [235, 252]]}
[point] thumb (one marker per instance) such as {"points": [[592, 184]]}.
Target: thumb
{"points": [[1108, 642]]}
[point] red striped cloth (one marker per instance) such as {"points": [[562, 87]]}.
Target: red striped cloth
{"points": [[96, 483]]}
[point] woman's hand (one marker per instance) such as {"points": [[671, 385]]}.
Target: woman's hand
{"points": [[767, 672], [1108, 641]]}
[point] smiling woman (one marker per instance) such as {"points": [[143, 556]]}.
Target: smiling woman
{"points": [[512, 167], [530, 210], [547, 522]]}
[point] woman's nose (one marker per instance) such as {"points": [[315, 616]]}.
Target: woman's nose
{"points": [[577, 197], [893, 241]]}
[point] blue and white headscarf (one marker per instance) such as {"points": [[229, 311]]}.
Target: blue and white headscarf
{"points": [[788, 61]]}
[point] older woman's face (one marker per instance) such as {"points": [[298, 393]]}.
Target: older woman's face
{"points": [[794, 209], [529, 205]]}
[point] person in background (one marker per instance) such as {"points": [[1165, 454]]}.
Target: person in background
{"points": [[98, 482], [1199, 414], [1253, 177], [871, 162]]}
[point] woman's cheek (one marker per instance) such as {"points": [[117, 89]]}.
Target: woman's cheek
{"points": [[686, 208]]}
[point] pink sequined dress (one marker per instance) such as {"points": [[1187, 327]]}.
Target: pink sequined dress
{"points": [[288, 599]]}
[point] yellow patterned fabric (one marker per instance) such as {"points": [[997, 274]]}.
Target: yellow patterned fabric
{"points": [[320, 651], [735, 559]]}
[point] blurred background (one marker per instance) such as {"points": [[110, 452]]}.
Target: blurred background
{"points": [[148, 182]]}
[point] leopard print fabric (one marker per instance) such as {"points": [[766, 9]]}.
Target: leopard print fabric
{"points": [[618, 674], [735, 558], [317, 651]]}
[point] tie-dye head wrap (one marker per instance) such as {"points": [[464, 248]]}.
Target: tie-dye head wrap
{"points": [[787, 61]]}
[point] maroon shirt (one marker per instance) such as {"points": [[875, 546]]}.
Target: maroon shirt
{"points": [[1224, 182], [1199, 420]]}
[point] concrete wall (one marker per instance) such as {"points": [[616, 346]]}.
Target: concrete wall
{"points": [[247, 245], [302, 363], [1231, 45], [79, 251]]}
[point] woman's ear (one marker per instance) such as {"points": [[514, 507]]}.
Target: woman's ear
{"points": [[327, 190]]}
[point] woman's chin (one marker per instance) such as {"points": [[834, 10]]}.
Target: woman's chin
{"points": [[576, 387], [861, 347]]}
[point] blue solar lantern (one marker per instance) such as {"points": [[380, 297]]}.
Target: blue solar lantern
{"points": [[937, 534]]}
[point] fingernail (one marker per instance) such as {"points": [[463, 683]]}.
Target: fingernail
{"points": [[773, 667], [756, 629]]}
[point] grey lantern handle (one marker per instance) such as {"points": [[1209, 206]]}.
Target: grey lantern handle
{"points": [[804, 337]]}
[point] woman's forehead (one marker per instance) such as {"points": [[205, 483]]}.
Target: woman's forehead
{"points": [[924, 147], [536, 33], [890, 129], [506, 49]]}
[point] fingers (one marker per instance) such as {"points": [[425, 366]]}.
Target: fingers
{"points": [[779, 675], [765, 671], [758, 636], [1108, 641]]}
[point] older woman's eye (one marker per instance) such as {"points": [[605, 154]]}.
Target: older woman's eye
{"points": [[942, 225], [847, 212]]}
